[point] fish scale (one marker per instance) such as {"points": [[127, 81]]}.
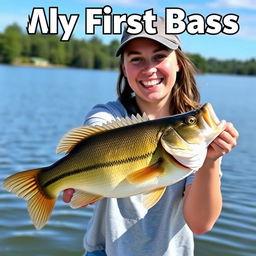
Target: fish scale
{"points": [[106, 145]]}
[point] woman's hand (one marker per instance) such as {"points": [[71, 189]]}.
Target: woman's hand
{"points": [[224, 143], [68, 194]]}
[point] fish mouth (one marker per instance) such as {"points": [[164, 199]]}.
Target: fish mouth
{"points": [[215, 126], [209, 116]]}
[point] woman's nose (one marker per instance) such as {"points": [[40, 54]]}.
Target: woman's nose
{"points": [[149, 67]]}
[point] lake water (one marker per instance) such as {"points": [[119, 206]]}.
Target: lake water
{"points": [[39, 105]]}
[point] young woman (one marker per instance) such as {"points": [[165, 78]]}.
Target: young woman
{"points": [[157, 78]]}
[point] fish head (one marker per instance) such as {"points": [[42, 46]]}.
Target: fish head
{"points": [[188, 135]]}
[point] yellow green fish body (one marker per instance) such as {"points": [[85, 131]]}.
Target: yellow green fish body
{"points": [[123, 158]]}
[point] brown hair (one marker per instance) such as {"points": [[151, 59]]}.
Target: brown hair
{"points": [[185, 95]]}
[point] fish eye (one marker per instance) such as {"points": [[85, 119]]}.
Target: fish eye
{"points": [[190, 120]]}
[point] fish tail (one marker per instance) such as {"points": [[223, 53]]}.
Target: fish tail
{"points": [[25, 185]]}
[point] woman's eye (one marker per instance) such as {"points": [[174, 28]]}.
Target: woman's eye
{"points": [[190, 120], [159, 57], [136, 60]]}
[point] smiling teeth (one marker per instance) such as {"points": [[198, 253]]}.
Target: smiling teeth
{"points": [[151, 83]]}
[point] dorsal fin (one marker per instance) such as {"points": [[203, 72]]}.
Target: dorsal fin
{"points": [[76, 135]]}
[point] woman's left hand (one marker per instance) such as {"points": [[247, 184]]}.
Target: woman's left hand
{"points": [[224, 143]]}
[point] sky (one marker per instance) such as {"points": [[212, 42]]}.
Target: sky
{"points": [[241, 45]]}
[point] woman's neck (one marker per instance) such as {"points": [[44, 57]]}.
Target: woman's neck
{"points": [[154, 110]]}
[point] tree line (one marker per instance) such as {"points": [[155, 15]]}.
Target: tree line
{"points": [[18, 47]]}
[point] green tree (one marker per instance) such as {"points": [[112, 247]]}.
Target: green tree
{"points": [[57, 54], [100, 60], [1, 48], [82, 54], [100, 53], [199, 62], [11, 43], [39, 47], [251, 67], [25, 46], [113, 61]]}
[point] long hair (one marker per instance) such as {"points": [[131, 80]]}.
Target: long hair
{"points": [[185, 95]]}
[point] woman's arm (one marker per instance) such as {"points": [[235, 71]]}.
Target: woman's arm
{"points": [[203, 199]]}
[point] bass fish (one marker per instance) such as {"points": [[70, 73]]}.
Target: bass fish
{"points": [[125, 157]]}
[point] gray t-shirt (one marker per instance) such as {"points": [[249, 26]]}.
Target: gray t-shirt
{"points": [[122, 227]]}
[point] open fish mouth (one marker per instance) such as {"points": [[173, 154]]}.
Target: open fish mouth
{"points": [[215, 126], [210, 117]]}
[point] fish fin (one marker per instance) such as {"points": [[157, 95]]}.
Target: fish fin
{"points": [[76, 135], [151, 198], [25, 185], [145, 174], [81, 198]]}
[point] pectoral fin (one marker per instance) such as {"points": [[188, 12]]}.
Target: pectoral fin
{"points": [[146, 173], [81, 198], [151, 198]]}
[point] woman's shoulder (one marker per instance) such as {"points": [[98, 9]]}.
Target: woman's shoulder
{"points": [[102, 113]]}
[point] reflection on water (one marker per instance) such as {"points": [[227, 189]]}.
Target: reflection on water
{"points": [[37, 106]]}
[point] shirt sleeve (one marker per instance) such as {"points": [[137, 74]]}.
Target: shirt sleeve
{"points": [[103, 113], [190, 179]]}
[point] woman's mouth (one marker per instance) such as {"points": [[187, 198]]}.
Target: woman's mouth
{"points": [[151, 83]]}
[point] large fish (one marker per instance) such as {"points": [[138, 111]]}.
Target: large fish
{"points": [[122, 158]]}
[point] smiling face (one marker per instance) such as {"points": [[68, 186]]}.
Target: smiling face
{"points": [[150, 69]]}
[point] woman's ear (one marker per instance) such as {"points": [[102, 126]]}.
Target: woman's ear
{"points": [[178, 67]]}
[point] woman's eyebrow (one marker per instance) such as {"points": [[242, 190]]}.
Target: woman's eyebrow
{"points": [[154, 51], [161, 49], [132, 52]]}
